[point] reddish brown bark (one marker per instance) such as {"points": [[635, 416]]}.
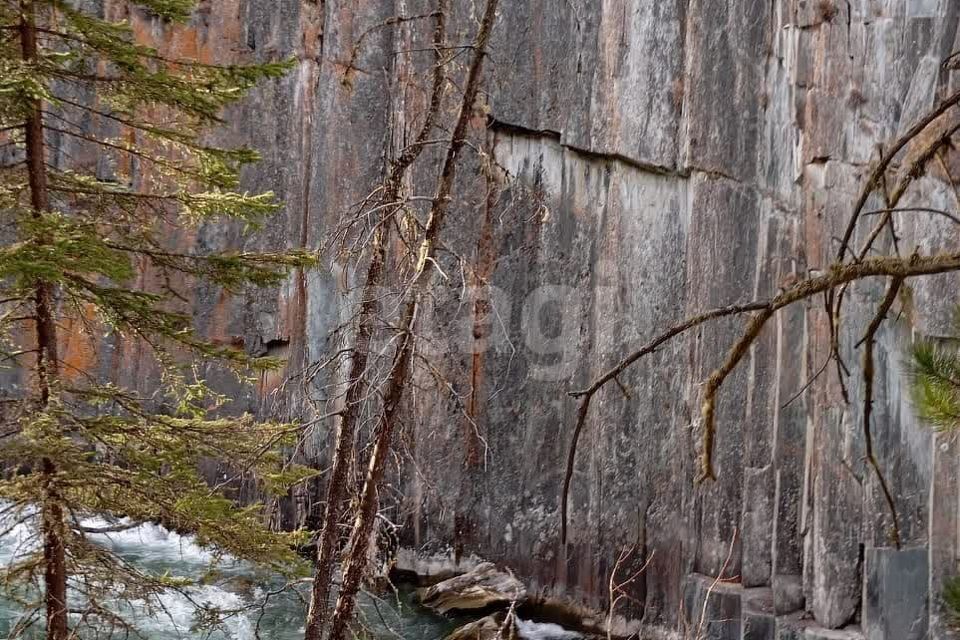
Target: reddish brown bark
{"points": [[52, 522]]}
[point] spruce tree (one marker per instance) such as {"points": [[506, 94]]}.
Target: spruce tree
{"points": [[935, 373], [936, 385], [72, 245]]}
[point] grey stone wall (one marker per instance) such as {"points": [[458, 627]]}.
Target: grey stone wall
{"points": [[655, 158]]}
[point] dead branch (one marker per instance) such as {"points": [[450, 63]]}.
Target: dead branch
{"points": [[615, 589], [716, 379], [357, 377], [834, 300], [940, 212], [886, 158], [399, 372], [713, 585], [868, 341], [837, 275], [389, 22], [586, 395]]}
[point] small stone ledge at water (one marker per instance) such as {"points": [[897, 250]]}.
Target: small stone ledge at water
{"points": [[728, 611], [797, 628], [482, 587]]}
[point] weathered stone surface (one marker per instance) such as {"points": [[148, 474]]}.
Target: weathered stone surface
{"points": [[787, 593], [758, 516], [944, 523], [835, 592], [819, 633], [713, 609], [729, 213], [597, 93], [662, 158], [792, 627], [723, 88], [895, 600], [798, 627], [762, 626], [479, 588], [757, 615]]}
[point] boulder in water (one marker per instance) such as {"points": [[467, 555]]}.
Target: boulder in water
{"points": [[482, 587], [490, 627]]}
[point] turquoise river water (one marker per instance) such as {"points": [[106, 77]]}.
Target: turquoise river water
{"points": [[238, 588]]}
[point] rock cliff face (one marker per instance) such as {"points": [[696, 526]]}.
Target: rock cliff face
{"points": [[643, 160]]}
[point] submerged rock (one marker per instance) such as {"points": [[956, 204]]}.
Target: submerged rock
{"points": [[482, 587]]}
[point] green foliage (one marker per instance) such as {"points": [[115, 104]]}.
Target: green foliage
{"points": [[935, 373], [98, 448], [936, 385], [951, 599]]}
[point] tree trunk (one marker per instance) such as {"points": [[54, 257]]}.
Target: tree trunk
{"points": [[367, 514], [399, 371], [52, 522], [346, 434], [347, 425], [54, 558]]}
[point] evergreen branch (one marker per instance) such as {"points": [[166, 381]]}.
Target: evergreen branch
{"points": [[163, 162], [165, 133]]}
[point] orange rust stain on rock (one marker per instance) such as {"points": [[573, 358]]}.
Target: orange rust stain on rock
{"points": [[483, 308], [218, 328], [288, 314], [212, 36], [311, 31], [271, 380], [78, 347]]}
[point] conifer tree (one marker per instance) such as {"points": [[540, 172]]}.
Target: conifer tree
{"points": [[73, 242], [935, 373], [936, 385]]}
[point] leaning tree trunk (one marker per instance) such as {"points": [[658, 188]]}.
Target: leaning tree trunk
{"points": [[356, 387], [400, 369], [52, 527], [346, 434]]}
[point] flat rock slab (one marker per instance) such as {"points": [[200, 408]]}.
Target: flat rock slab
{"points": [[818, 633], [482, 587], [796, 627]]}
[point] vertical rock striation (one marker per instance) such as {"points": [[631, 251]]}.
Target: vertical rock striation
{"points": [[659, 158]]}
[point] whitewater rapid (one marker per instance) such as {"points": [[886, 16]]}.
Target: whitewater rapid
{"points": [[238, 587]]}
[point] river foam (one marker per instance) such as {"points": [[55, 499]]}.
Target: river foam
{"points": [[239, 588]]}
